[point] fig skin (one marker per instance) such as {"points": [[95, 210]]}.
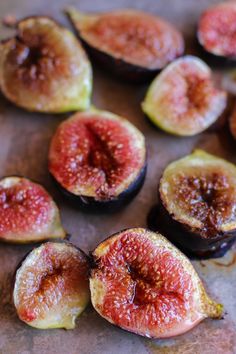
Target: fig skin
{"points": [[232, 123], [51, 286], [145, 285], [208, 228], [120, 157], [218, 44], [135, 69], [44, 68], [36, 216], [182, 100]]}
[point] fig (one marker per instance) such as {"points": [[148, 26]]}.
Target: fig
{"points": [[216, 31], [198, 200], [143, 284], [27, 212], [51, 286], [130, 43], [44, 68], [98, 159], [182, 100]]}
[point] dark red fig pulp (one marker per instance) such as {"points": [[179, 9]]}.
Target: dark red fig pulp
{"points": [[198, 199], [216, 30], [98, 158], [51, 286], [142, 283], [132, 44], [27, 212]]}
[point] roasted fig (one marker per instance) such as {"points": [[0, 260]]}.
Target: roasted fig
{"points": [[198, 201], [98, 159], [182, 100], [143, 284], [216, 30], [51, 286], [44, 68], [27, 212], [130, 43]]}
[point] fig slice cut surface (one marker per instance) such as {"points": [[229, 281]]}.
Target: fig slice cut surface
{"points": [[217, 30], [51, 286], [44, 68], [143, 284], [97, 154], [133, 36], [199, 191], [27, 212], [183, 100]]}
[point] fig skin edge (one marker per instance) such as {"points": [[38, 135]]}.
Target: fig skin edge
{"points": [[70, 322], [60, 233], [208, 308]]}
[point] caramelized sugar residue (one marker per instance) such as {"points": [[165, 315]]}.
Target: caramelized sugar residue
{"points": [[209, 198]]}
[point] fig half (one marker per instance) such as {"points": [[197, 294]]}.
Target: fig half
{"points": [[130, 43], [44, 68], [98, 159], [198, 201], [27, 212], [216, 30], [182, 100], [51, 286], [143, 284]]}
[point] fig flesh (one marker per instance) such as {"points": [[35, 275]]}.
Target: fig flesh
{"points": [[198, 200], [143, 284], [216, 30], [51, 286], [98, 159], [27, 212], [182, 100], [131, 43], [44, 68]]}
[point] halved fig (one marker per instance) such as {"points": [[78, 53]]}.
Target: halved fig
{"points": [[143, 284], [44, 68], [98, 159], [51, 286], [183, 100], [198, 201], [217, 32], [131, 43], [27, 212]]}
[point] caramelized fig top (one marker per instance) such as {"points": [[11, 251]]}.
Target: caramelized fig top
{"points": [[199, 191], [44, 68], [131, 35]]}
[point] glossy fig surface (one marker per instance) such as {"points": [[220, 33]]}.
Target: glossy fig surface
{"points": [[27, 212], [216, 30], [51, 286], [131, 43], [98, 158], [143, 284], [44, 68], [198, 200], [182, 99]]}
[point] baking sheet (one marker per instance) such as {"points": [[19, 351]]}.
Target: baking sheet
{"points": [[24, 141]]}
